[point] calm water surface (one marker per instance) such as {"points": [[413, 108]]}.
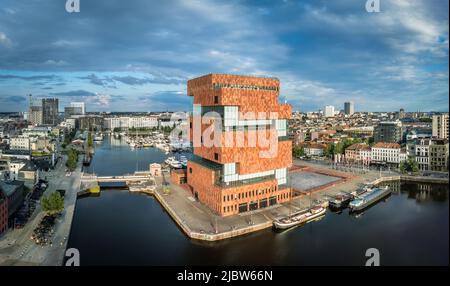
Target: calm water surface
{"points": [[410, 227]]}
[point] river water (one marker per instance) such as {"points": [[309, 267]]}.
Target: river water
{"points": [[411, 227]]}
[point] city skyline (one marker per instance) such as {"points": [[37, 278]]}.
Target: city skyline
{"points": [[324, 53]]}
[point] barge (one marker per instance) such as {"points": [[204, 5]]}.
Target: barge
{"points": [[368, 198], [340, 201], [300, 217]]}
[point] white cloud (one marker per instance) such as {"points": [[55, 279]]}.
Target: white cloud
{"points": [[57, 63], [100, 99], [4, 40], [62, 43]]}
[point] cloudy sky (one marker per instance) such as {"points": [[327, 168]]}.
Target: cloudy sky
{"points": [[136, 55]]}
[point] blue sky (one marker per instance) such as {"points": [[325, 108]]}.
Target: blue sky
{"points": [[137, 55]]}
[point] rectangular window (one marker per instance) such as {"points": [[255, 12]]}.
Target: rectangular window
{"points": [[216, 156], [216, 99], [243, 207], [190, 170]]}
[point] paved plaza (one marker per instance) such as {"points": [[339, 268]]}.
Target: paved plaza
{"points": [[308, 180]]}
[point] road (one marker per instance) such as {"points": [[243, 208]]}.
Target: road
{"points": [[16, 247]]}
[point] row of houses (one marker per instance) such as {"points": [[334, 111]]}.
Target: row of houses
{"points": [[431, 154], [379, 153]]}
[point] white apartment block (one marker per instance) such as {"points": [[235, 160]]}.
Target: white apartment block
{"points": [[387, 153], [80, 105], [19, 143], [131, 122], [430, 154], [440, 126], [420, 151], [328, 111]]}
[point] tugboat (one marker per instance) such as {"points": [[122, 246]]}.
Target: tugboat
{"points": [[301, 217], [368, 198]]}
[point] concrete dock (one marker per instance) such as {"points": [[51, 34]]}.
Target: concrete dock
{"points": [[200, 223]]}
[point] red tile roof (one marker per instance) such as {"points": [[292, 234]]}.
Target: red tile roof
{"points": [[359, 146], [386, 145]]}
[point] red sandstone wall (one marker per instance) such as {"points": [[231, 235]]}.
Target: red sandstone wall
{"points": [[249, 158]]}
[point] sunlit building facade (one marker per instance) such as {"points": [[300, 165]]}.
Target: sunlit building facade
{"points": [[246, 174]]}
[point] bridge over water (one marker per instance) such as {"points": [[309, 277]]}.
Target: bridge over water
{"points": [[136, 177]]}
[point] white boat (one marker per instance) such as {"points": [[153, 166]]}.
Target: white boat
{"points": [[98, 138], [169, 160], [174, 163], [300, 217]]}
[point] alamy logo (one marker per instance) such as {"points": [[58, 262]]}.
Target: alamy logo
{"points": [[73, 6], [374, 257], [74, 257], [373, 6]]}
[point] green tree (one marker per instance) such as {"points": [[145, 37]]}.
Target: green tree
{"points": [[72, 159], [409, 165], [330, 150], [52, 203], [298, 151], [425, 119]]}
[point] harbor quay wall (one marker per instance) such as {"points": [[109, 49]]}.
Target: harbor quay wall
{"points": [[262, 225], [177, 214], [415, 179], [207, 236]]}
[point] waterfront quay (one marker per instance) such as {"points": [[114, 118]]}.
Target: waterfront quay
{"points": [[198, 222]]}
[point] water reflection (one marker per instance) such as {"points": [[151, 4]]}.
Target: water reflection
{"points": [[122, 228], [421, 192]]}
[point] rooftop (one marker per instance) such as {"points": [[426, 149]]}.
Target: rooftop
{"points": [[8, 188], [359, 146], [386, 145]]}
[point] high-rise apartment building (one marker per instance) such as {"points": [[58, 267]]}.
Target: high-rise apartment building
{"points": [[78, 107], [388, 132], [246, 166], [50, 111], [328, 111], [35, 115], [349, 108], [440, 126]]}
